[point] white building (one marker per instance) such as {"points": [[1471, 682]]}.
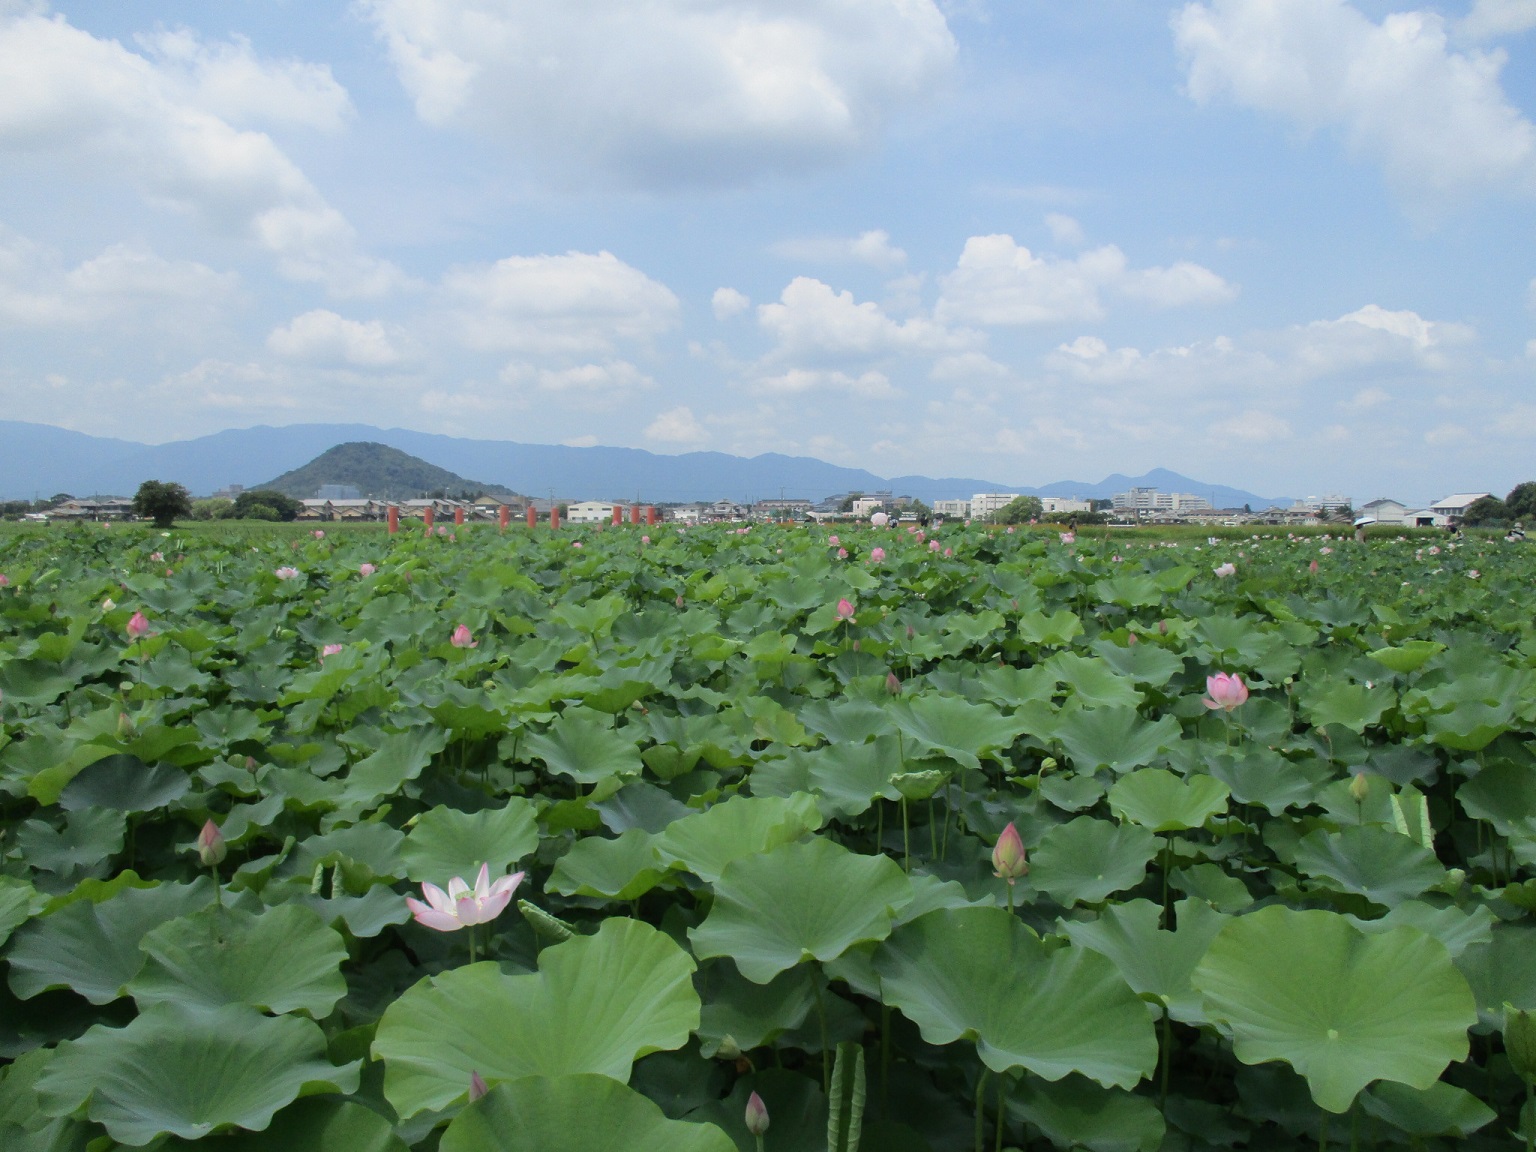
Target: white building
{"points": [[589, 512], [983, 504], [1332, 502], [864, 505], [1385, 511], [1156, 501], [1446, 511], [1064, 504], [952, 509]]}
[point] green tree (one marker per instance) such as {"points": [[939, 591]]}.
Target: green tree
{"points": [[1521, 501], [161, 502], [264, 504], [214, 508], [1485, 511], [1022, 510]]}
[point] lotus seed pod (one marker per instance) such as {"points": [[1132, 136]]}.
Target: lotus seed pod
{"points": [[1520, 1042]]}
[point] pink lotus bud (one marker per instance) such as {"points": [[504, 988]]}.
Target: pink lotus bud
{"points": [[168, 572], [330, 650], [645, 539], [910, 632], [877, 554], [844, 610], [124, 726], [211, 848], [757, 1115], [933, 545], [462, 638], [892, 684], [138, 626], [1227, 692], [949, 551], [1132, 639], [833, 541], [477, 1088], [842, 553], [5, 581], [366, 569], [1008, 862], [679, 599], [319, 534]]}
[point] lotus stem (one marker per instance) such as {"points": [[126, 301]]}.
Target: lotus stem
{"points": [[885, 1058], [473, 953], [933, 833], [1162, 1096], [821, 1018], [1530, 1117], [1322, 1133], [1002, 1083], [981, 1113], [906, 840]]}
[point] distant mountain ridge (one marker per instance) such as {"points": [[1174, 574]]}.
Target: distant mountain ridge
{"points": [[376, 470], [41, 459]]}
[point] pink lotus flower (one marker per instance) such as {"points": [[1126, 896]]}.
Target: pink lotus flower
{"points": [[680, 600], [1010, 529], [330, 650], [833, 541], [757, 1116], [442, 531], [1325, 550], [1434, 549], [157, 557], [462, 638], [366, 569], [1474, 574], [933, 545], [844, 609], [575, 543], [5, 581], [1227, 692], [319, 534], [1312, 567], [949, 551], [645, 539], [877, 554], [1069, 537], [168, 572], [138, 626], [879, 519], [1227, 569], [1008, 862], [892, 684], [462, 906], [842, 553], [211, 848], [286, 572]]}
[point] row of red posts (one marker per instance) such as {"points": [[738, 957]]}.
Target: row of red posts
{"points": [[504, 516]]}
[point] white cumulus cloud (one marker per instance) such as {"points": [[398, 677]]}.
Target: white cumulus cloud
{"points": [[1493, 18], [796, 381], [677, 426], [728, 302], [873, 248], [322, 337], [610, 376], [811, 319], [668, 92], [1437, 120]]}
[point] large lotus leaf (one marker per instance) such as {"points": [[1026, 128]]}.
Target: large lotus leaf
{"points": [[584, 745], [1502, 971], [1077, 1113], [1093, 681], [314, 1124], [94, 948], [980, 974], [846, 721], [623, 868], [1154, 962], [1504, 794], [19, 902], [190, 1071], [1163, 801], [1440, 1110], [85, 846], [1086, 859], [959, 729], [1259, 775], [1115, 738], [707, 842], [1345, 703], [640, 804], [1454, 927], [577, 1113], [1343, 1008], [1409, 656], [846, 778], [750, 1014], [283, 959], [447, 842], [1379, 863], [1071, 793], [812, 900], [1131, 590], [400, 758], [1055, 630], [1471, 725], [596, 1004], [1143, 663], [126, 784]]}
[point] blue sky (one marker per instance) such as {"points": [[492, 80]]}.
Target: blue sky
{"points": [[1281, 244]]}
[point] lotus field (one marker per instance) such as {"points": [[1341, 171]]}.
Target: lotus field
{"points": [[764, 839]]}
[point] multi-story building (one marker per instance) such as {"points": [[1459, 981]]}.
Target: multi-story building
{"points": [[1064, 504], [952, 509], [983, 504], [589, 512], [1156, 501]]}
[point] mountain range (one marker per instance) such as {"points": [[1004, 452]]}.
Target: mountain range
{"points": [[41, 460], [376, 470]]}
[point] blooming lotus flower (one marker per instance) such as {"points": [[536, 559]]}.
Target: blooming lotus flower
{"points": [[933, 545], [1474, 574], [1325, 550], [366, 569], [138, 626], [845, 609], [1227, 569], [842, 553], [319, 534], [833, 541], [1069, 537], [949, 551], [877, 554], [575, 543], [1008, 862], [211, 848], [462, 906], [157, 557], [462, 638], [1226, 692], [757, 1115], [645, 539], [286, 572], [330, 650]]}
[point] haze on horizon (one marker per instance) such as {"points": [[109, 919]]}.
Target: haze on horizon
{"points": [[1282, 244]]}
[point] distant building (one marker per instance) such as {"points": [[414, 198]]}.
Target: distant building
{"points": [[1064, 504], [1321, 505], [230, 492], [866, 505], [1155, 501], [589, 512], [780, 509], [93, 508], [952, 509], [984, 504], [1447, 511], [1385, 511]]}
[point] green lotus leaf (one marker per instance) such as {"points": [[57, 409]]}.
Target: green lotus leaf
{"points": [[124, 784], [624, 868], [1115, 738], [190, 1071], [1163, 801], [1071, 793], [1310, 989], [1154, 962], [1087, 859], [1129, 590], [596, 1004], [1440, 1110], [400, 758], [1504, 794], [1502, 971], [1458, 929], [313, 1124], [1263, 776], [846, 778], [811, 900], [94, 948], [584, 745], [1056, 630], [706, 843], [980, 974], [1094, 683], [1077, 1113], [283, 959], [574, 1113], [750, 1014], [1347, 704], [959, 729], [1209, 883], [1143, 663], [1409, 656], [84, 847], [446, 842], [1380, 864], [19, 902]]}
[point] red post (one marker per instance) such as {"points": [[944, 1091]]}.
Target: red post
{"points": [[504, 517], [618, 515], [634, 513], [554, 517], [394, 519], [533, 516], [427, 517], [458, 516], [650, 513]]}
